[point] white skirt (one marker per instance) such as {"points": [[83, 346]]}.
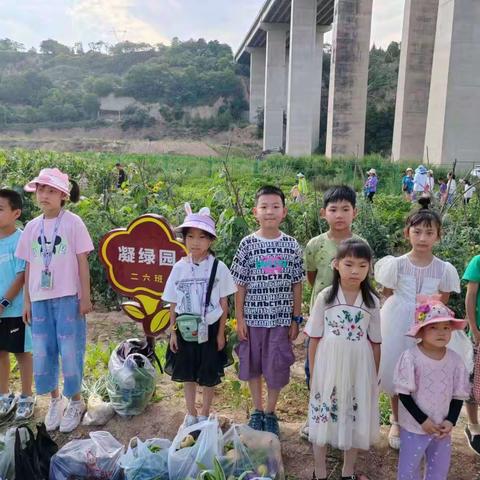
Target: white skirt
{"points": [[343, 410]]}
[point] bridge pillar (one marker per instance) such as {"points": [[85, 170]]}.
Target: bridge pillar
{"points": [[274, 85], [257, 81], [317, 86], [452, 122], [347, 100], [301, 77], [416, 57]]}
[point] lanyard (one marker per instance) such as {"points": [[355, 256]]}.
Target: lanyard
{"points": [[203, 297], [47, 254]]}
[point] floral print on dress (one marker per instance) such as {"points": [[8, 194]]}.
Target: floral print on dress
{"points": [[325, 411], [347, 326]]}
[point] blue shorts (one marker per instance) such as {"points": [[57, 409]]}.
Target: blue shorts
{"points": [[58, 329]]}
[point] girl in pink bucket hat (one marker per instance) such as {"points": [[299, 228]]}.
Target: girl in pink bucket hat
{"points": [[55, 246], [431, 381], [197, 290]]}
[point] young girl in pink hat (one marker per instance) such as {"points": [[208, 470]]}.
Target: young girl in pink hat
{"points": [[55, 246], [197, 290], [431, 381]]}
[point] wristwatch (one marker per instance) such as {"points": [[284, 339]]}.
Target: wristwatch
{"points": [[297, 319], [5, 302]]}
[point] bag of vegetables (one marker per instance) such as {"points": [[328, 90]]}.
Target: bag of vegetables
{"points": [[194, 448], [130, 382], [146, 460]]}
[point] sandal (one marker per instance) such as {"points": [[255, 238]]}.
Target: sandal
{"points": [[355, 476], [393, 440]]}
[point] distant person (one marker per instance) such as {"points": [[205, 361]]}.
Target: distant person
{"points": [[299, 190], [407, 184], [451, 188], [469, 191], [122, 176], [420, 182], [430, 181], [371, 184], [443, 191]]}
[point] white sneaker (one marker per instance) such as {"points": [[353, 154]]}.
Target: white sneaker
{"points": [[54, 414], [25, 408], [189, 420], [8, 401], [72, 416]]}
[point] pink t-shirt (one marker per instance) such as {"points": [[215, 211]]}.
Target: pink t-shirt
{"points": [[431, 383], [72, 239]]}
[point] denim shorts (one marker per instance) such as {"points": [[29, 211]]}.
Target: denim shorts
{"points": [[58, 330]]}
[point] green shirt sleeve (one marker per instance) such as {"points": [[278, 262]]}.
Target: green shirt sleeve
{"points": [[472, 272], [310, 262]]}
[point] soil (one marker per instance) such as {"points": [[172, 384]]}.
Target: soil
{"points": [[163, 418]]}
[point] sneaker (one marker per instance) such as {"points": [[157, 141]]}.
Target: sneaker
{"points": [[271, 424], [304, 431], [25, 408], [257, 420], [55, 413], [189, 420], [473, 440], [201, 418], [72, 416], [7, 404]]}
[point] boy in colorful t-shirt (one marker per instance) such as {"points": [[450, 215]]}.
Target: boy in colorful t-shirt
{"points": [[472, 307], [15, 336], [268, 271]]}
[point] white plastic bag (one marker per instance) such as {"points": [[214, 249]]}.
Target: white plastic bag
{"points": [[146, 460], [96, 457], [131, 383], [183, 463], [98, 411], [7, 455]]}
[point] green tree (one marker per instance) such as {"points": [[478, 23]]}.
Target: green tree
{"points": [[7, 45], [52, 47], [91, 105]]}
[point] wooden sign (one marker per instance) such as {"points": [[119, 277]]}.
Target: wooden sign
{"points": [[138, 260]]}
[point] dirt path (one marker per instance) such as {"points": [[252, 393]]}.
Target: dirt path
{"points": [[162, 419]]}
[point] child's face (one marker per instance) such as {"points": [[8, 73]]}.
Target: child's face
{"points": [[49, 198], [8, 216], [436, 335], [339, 215], [269, 211], [197, 242], [423, 237], [353, 271]]}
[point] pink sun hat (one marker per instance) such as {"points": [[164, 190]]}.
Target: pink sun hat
{"points": [[52, 177], [201, 220], [431, 310]]}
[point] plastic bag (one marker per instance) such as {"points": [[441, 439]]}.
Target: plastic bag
{"points": [[97, 457], [248, 450], [46, 448], [27, 463], [130, 382], [98, 411], [185, 459], [7, 455], [146, 460]]}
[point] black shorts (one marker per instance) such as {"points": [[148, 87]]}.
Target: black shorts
{"points": [[14, 337], [195, 362]]}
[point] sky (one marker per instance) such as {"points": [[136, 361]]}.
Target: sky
{"points": [[154, 21]]}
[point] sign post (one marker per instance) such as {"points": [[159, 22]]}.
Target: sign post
{"points": [[138, 260]]}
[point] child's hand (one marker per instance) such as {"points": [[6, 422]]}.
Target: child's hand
{"points": [[429, 427], [220, 341], [476, 336], [445, 428], [85, 306], [293, 331], [27, 313], [242, 330], [173, 342]]}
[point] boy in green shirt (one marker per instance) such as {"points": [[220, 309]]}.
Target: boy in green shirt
{"points": [[472, 307], [339, 210]]}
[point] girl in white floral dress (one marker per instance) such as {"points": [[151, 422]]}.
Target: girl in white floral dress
{"points": [[344, 331]]}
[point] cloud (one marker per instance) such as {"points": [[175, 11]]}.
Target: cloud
{"points": [[114, 19]]}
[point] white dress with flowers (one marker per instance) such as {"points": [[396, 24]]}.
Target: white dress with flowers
{"points": [[343, 410], [398, 312]]}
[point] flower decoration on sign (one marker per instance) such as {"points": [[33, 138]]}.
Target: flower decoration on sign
{"points": [[138, 260]]}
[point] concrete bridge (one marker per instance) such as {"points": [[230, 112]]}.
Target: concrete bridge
{"points": [[438, 96]]}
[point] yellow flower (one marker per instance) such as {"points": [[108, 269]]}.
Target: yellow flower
{"points": [[421, 317]]}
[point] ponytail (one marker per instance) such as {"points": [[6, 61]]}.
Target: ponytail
{"points": [[74, 192]]}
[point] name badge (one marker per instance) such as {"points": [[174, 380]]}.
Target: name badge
{"points": [[46, 281], [203, 332]]}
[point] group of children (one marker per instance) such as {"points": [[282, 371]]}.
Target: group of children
{"points": [[356, 347]]}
